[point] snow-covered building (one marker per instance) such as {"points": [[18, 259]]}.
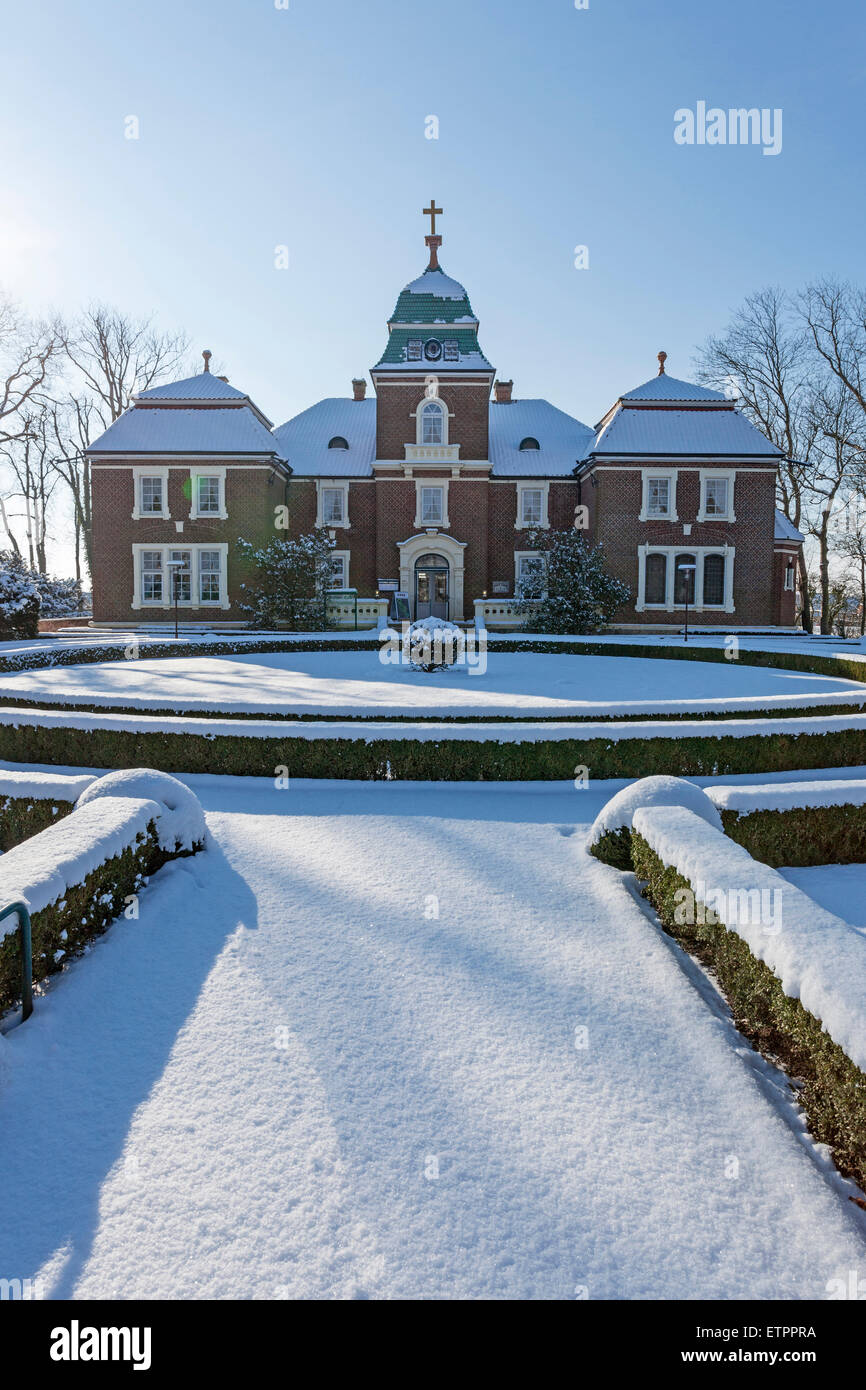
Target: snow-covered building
{"points": [[432, 485]]}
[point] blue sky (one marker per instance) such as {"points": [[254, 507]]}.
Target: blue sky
{"points": [[305, 127]]}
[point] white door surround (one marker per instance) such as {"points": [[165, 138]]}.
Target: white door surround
{"points": [[423, 544]]}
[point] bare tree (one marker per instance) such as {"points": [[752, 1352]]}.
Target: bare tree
{"points": [[34, 479], [764, 356], [28, 353], [110, 358]]}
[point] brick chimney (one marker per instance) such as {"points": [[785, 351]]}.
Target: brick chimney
{"points": [[359, 387], [502, 391]]}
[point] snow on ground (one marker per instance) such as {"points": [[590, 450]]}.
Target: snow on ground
{"points": [[357, 683], [294, 1077], [840, 888]]}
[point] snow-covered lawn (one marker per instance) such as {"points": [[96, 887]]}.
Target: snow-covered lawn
{"points": [[357, 683], [390, 1040]]}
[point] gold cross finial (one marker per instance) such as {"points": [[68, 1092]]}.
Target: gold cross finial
{"points": [[432, 212]]}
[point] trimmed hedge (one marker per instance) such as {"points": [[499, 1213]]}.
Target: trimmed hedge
{"points": [[430, 760], [802, 836], [85, 912], [23, 816], [831, 1089]]}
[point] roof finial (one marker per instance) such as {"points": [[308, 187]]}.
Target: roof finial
{"points": [[663, 357], [207, 355], [433, 241]]}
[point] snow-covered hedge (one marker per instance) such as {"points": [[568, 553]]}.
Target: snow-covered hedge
{"points": [[793, 973], [797, 823], [181, 823], [81, 873], [31, 801], [610, 836]]}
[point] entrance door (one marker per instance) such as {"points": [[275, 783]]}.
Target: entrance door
{"points": [[431, 587]]}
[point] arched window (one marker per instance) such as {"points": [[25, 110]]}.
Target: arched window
{"points": [[685, 569], [656, 579], [432, 423], [338, 442], [529, 443]]}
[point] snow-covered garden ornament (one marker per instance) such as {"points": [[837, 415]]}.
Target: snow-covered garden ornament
{"points": [[431, 644]]}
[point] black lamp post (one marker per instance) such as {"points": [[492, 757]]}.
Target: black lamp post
{"points": [[686, 570], [177, 568]]}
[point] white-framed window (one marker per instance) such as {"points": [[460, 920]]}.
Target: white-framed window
{"points": [[179, 569], [340, 567], [717, 494], [529, 574], [450, 350], [207, 493], [532, 505], [209, 576], [666, 578], [790, 582], [333, 503], [432, 422], [413, 350], [659, 498], [151, 580], [201, 579], [150, 498], [431, 503]]}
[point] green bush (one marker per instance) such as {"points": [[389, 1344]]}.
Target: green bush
{"points": [[801, 836], [439, 759], [23, 816], [831, 1089], [614, 847]]}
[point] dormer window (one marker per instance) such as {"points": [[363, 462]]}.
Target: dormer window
{"points": [[432, 349], [338, 442], [529, 443], [433, 428]]}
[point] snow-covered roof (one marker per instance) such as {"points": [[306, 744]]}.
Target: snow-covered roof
{"points": [[437, 283], [713, 432], [786, 530], [204, 387], [303, 441], [148, 430], [670, 388], [563, 439]]}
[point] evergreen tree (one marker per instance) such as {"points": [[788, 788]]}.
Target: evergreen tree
{"points": [[572, 592], [290, 583], [19, 600]]}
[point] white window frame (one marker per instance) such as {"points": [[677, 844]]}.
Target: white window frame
{"points": [[150, 471], [700, 553], [219, 472], [343, 555], [167, 601], [727, 475], [442, 485], [324, 485], [523, 555], [419, 421], [671, 475], [790, 569], [544, 523]]}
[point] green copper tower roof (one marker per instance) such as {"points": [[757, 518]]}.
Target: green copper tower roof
{"points": [[433, 327]]}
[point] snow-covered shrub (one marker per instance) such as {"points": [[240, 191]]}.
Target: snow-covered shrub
{"points": [[181, 824], [610, 836], [19, 600], [797, 823], [430, 644]]}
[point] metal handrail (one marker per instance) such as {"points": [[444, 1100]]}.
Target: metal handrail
{"points": [[23, 914]]}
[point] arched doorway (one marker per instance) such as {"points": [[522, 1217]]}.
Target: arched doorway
{"points": [[431, 586]]}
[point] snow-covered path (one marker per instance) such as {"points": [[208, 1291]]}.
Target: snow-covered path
{"points": [[299, 1074]]}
